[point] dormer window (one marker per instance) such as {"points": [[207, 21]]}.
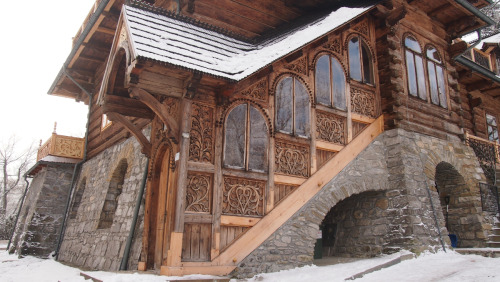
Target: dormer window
{"points": [[360, 61]]}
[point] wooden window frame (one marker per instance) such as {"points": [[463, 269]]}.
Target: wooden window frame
{"points": [[488, 125], [362, 44], [331, 80], [247, 142], [435, 64], [422, 94], [294, 130]]}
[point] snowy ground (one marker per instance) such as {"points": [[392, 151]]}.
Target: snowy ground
{"points": [[449, 266]]}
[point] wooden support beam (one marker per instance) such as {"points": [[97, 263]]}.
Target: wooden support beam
{"points": [[105, 30], [146, 146], [126, 107], [159, 109], [479, 85]]}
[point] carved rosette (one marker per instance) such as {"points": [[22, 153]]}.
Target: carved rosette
{"points": [[199, 193], [363, 102], [243, 196], [291, 159], [257, 91], [299, 66], [334, 46], [68, 147], [201, 143], [330, 128]]}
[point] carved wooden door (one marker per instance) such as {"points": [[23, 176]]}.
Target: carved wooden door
{"points": [[163, 213]]}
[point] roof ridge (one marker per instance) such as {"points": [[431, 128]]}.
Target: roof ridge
{"points": [[161, 11]]}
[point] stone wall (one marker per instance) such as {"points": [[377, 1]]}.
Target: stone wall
{"points": [[403, 165], [41, 217], [88, 245]]}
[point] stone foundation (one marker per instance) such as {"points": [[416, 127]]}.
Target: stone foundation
{"points": [[95, 241], [393, 177], [41, 216]]}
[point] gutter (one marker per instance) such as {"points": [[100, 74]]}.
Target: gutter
{"points": [[93, 19], [77, 165], [19, 211], [126, 253], [475, 11]]}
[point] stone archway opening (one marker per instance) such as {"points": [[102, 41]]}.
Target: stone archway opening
{"points": [[357, 227], [460, 206]]}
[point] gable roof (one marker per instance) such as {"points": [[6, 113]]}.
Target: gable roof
{"points": [[179, 43]]}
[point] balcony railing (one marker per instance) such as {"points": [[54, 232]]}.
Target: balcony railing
{"points": [[62, 146], [479, 57], [487, 152]]}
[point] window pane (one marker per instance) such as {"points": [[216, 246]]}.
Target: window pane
{"points": [[441, 87], [323, 81], [491, 123], [338, 80], [367, 64], [354, 59], [301, 110], [412, 76], [284, 102], [412, 44], [422, 90], [433, 83], [257, 157], [234, 151], [433, 54]]}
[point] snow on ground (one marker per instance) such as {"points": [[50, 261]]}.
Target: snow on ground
{"points": [[449, 266]]}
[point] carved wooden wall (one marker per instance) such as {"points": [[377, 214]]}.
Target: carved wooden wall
{"points": [[243, 197], [199, 193], [201, 147], [292, 159]]}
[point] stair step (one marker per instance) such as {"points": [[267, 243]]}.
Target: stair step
{"points": [[494, 238], [492, 244]]}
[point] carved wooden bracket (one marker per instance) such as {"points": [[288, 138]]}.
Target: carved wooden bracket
{"points": [[145, 144], [192, 85], [159, 109]]}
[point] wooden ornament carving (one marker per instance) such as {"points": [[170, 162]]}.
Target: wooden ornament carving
{"points": [[243, 196], [198, 193], [257, 91], [201, 144], [330, 128], [362, 28], [363, 102], [299, 66], [334, 46], [291, 159]]}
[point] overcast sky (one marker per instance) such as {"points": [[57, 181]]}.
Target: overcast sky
{"points": [[35, 40]]}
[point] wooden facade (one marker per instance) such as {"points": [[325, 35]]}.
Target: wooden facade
{"points": [[232, 159]]}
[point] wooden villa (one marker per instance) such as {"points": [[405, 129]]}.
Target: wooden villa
{"points": [[233, 137]]}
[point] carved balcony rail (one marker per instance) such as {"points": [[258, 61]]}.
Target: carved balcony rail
{"points": [[62, 146], [479, 57], [487, 152]]}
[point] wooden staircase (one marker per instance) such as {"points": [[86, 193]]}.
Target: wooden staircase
{"points": [[234, 254]]}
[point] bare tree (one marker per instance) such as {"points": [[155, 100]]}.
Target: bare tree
{"points": [[14, 162]]}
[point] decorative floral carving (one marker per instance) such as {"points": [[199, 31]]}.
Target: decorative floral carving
{"points": [[292, 159], [363, 102], [243, 196], [362, 28], [68, 147], [201, 136], [330, 127], [299, 66], [198, 193], [334, 46], [172, 105], [257, 91]]}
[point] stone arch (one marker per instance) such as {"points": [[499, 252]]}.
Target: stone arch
{"points": [[114, 190], [459, 206]]}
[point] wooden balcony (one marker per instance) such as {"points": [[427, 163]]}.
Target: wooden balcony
{"points": [[481, 58], [62, 146]]}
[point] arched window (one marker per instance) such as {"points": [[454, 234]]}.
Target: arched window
{"points": [[360, 61], [415, 68], [246, 139], [111, 200], [330, 82], [292, 107], [435, 71]]}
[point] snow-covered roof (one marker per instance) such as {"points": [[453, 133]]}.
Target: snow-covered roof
{"points": [[176, 42], [491, 39]]}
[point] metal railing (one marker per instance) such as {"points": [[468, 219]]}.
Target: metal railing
{"points": [[487, 152], [489, 198]]}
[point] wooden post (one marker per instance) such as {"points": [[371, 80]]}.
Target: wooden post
{"points": [[217, 189]]}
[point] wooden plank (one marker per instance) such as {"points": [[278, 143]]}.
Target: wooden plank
{"points": [[197, 218], [327, 146], [279, 178], [254, 237], [361, 118], [242, 221]]}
